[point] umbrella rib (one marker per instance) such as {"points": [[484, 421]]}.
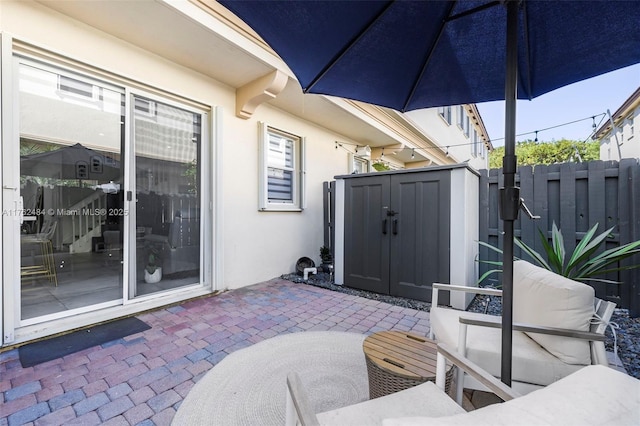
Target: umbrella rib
{"points": [[474, 10], [428, 57], [440, 32], [348, 47]]}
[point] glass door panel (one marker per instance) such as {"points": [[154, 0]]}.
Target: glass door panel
{"points": [[71, 170], [167, 175]]}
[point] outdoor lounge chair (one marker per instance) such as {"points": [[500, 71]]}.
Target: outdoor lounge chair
{"points": [[558, 329], [595, 395]]}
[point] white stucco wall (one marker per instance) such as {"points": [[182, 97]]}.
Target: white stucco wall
{"points": [[256, 246], [624, 141], [261, 245], [460, 148]]}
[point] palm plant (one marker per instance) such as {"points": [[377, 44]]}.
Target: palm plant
{"points": [[580, 266]]}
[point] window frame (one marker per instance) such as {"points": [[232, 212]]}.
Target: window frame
{"points": [[445, 113], [297, 203], [475, 151], [356, 159]]}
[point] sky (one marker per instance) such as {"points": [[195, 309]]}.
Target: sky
{"points": [[574, 102]]}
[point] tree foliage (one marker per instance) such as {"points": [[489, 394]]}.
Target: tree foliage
{"points": [[530, 153]]}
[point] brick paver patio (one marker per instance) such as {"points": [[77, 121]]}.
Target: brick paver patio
{"points": [[143, 378]]}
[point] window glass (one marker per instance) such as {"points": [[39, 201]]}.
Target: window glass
{"points": [[71, 172], [445, 113], [281, 175], [168, 219]]}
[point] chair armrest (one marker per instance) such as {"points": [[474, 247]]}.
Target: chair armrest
{"points": [[299, 408], [436, 287], [528, 328], [493, 384], [476, 290]]}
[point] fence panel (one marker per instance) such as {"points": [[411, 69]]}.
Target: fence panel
{"points": [[574, 196]]}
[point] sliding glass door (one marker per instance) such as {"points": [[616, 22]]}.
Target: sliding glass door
{"points": [[71, 169], [110, 190], [167, 141]]}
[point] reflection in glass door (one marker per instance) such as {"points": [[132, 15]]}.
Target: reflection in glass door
{"points": [[166, 140], [71, 138]]}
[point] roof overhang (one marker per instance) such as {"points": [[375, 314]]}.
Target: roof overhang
{"points": [[204, 36]]}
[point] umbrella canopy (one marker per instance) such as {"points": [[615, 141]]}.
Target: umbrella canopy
{"points": [[71, 162], [415, 54]]}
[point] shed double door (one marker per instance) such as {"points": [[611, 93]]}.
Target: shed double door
{"points": [[397, 233]]}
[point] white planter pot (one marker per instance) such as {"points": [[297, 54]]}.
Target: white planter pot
{"points": [[153, 278]]}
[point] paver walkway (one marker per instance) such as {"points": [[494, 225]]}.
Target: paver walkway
{"points": [[143, 378]]}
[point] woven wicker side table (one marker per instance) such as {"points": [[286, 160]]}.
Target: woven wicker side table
{"points": [[397, 360]]}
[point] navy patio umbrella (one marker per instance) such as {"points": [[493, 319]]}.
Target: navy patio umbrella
{"points": [[416, 54]]}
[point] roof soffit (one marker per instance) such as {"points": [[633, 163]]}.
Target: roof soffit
{"points": [[204, 36]]}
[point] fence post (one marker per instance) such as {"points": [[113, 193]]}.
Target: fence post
{"points": [[325, 214], [629, 205], [483, 219]]}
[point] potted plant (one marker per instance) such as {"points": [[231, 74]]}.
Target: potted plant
{"points": [[153, 270], [326, 257]]}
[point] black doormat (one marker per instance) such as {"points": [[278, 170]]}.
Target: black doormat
{"points": [[57, 347]]}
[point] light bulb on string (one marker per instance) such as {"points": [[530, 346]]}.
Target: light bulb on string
{"points": [[413, 153], [536, 136]]}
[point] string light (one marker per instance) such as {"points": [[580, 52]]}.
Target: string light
{"points": [[592, 117], [536, 136], [413, 153], [382, 155]]}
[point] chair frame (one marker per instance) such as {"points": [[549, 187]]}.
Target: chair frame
{"points": [[299, 409], [603, 309]]}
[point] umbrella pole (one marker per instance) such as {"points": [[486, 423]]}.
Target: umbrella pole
{"points": [[510, 196]]}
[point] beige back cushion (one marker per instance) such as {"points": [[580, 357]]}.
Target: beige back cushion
{"points": [[541, 297]]}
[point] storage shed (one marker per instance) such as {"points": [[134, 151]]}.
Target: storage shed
{"points": [[398, 232]]}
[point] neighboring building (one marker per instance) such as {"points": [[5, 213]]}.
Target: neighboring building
{"points": [[463, 137], [150, 135], [621, 139]]}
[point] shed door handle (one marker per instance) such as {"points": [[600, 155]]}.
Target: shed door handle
{"points": [[395, 226], [384, 226]]}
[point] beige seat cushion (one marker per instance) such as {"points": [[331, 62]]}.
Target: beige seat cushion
{"points": [[541, 297], [422, 400], [595, 395], [531, 362]]}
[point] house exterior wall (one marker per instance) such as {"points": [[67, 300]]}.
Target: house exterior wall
{"points": [[461, 147], [624, 141], [247, 246], [260, 245], [243, 245]]}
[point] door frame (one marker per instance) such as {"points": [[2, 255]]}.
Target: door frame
{"points": [[211, 273]]}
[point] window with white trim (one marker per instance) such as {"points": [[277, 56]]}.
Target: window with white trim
{"points": [[358, 164], [476, 144], [445, 113], [281, 176]]}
